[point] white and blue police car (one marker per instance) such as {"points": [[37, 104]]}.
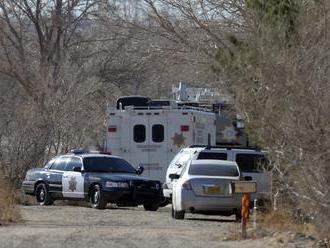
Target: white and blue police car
{"points": [[97, 178]]}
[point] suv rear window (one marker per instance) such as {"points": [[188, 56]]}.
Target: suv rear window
{"points": [[212, 155], [213, 170], [251, 162]]}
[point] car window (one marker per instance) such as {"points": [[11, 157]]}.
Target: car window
{"points": [[50, 163], [139, 133], [158, 133], [212, 155], [59, 164], [213, 170], [73, 162], [251, 162], [107, 164]]}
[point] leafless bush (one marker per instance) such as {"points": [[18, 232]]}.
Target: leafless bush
{"points": [[8, 209], [273, 56]]}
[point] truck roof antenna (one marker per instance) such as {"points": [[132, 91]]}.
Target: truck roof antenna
{"points": [[182, 96]]}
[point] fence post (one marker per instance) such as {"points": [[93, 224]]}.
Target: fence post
{"points": [[245, 213]]}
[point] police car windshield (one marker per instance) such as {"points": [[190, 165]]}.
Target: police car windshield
{"points": [[106, 164]]}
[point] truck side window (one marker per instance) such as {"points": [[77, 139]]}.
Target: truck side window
{"points": [[139, 133], [157, 133]]}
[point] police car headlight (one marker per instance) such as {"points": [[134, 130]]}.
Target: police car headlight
{"points": [[110, 184]]}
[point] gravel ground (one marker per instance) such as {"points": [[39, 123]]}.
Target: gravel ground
{"points": [[76, 226]]}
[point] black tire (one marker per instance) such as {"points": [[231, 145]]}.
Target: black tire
{"points": [[42, 195], [96, 197], [178, 215], [151, 206], [165, 202]]}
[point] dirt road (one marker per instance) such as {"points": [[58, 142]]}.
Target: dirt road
{"points": [[75, 226]]}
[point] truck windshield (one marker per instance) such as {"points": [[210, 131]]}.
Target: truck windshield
{"points": [[213, 170], [106, 164]]}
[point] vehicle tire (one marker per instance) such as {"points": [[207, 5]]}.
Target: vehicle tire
{"points": [[151, 206], [179, 215], [42, 195], [96, 197], [165, 202]]}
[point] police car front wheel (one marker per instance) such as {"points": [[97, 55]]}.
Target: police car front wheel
{"points": [[96, 197], [42, 195]]}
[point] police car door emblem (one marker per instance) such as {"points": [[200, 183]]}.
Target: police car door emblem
{"points": [[73, 184]]}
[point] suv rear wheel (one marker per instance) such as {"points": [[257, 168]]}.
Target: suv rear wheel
{"points": [[179, 215]]}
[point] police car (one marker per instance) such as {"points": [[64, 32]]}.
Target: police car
{"points": [[97, 178]]}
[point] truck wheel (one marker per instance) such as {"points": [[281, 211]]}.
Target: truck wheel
{"points": [[42, 195], [151, 206], [96, 197], [179, 215]]}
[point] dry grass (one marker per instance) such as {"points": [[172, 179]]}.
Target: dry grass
{"points": [[279, 222], [9, 211], [283, 221]]}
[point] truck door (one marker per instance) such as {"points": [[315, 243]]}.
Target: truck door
{"points": [[157, 148], [138, 141], [180, 132]]}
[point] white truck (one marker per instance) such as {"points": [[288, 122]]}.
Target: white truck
{"points": [[150, 133]]}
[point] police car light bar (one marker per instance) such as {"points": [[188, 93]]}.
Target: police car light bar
{"points": [[105, 152], [101, 152], [78, 151]]}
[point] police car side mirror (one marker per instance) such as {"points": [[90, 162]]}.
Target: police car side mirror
{"points": [[139, 170], [174, 176], [77, 169]]}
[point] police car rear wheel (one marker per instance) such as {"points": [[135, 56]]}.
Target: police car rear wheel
{"points": [[151, 206], [42, 195], [96, 198]]}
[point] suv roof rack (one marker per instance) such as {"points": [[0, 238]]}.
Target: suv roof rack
{"points": [[229, 147]]}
